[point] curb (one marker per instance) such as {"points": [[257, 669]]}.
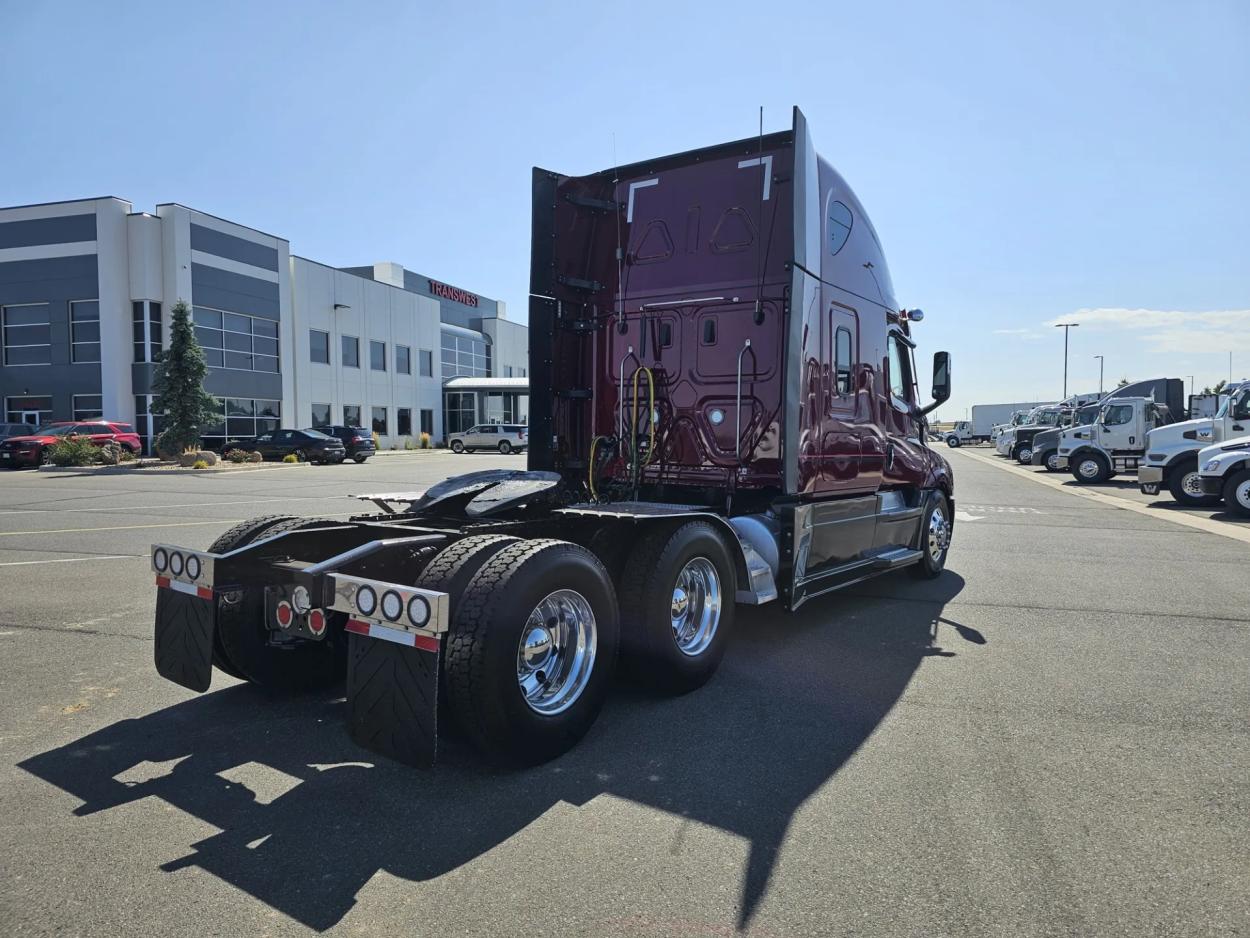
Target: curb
{"points": [[119, 470]]}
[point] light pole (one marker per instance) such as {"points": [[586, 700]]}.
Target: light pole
{"points": [[1065, 326], [1101, 362]]}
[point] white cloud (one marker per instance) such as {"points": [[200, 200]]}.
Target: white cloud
{"points": [[1175, 331], [1028, 334]]}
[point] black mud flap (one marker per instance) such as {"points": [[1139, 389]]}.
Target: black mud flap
{"points": [[184, 638], [392, 699]]}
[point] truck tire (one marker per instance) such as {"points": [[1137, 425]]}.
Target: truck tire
{"points": [[952, 442], [1090, 468], [1051, 460], [677, 606], [1185, 484], [1024, 455], [299, 665], [935, 539], [242, 533], [453, 567], [536, 607], [1237, 493]]}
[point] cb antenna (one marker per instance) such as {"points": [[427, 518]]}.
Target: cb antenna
{"points": [[620, 257], [759, 251]]}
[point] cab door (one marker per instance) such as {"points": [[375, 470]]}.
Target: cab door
{"points": [[1120, 429]]}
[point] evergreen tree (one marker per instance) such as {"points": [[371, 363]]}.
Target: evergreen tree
{"points": [[178, 381]]}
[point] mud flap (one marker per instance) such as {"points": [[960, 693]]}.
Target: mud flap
{"points": [[392, 699], [184, 638]]}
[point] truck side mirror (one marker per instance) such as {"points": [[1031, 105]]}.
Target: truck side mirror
{"points": [[941, 380]]}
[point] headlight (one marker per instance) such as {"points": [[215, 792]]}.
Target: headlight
{"points": [[392, 605], [1213, 465], [366, 600]]}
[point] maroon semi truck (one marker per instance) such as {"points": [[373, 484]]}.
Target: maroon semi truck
{"points": [[724, 411]]}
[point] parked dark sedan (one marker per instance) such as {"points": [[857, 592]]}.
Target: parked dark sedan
{"points": [[307, 445], [357, 440]]}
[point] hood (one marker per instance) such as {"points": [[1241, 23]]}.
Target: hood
{"points": [[35, 438], [1176, 432]]}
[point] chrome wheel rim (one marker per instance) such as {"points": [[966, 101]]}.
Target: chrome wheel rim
{"points": [[695, 606], [1191, 484], [1088, 469], [939, 534], [556, 654], [1052, 461], [1026, 455]]}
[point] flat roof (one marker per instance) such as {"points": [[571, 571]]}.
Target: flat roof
{"points": [[464, 383]]}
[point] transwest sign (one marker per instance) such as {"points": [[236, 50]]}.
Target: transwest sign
{"points": [[452, 293]]}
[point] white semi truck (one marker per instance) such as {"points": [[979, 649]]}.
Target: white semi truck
{"points": [[1115, 442], [1225, 473], [1172, 452], [987, 420]]}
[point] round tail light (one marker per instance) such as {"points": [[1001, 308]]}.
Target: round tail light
{"points": [[175, 563], [392, 605], [418, 611], [160, 559], [193, 567], [285, 615], [366, 600], [316, 622]]}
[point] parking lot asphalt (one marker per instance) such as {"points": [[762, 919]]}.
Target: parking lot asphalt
{"points": [[1049, 739]]}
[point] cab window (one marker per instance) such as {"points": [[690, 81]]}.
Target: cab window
{"points": [[842, 360], [1117, 415], [900, 377], [1240, 406]]}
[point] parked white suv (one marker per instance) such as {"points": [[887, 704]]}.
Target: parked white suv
{"points": [[501, 437]]}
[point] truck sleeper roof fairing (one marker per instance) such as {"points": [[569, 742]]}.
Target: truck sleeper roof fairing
{"points": [[707, 268]]}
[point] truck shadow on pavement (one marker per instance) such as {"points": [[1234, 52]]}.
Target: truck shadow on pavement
{"points": [[795, 698]]}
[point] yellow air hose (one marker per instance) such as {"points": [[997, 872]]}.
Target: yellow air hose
{"points": [[650, 412], [594, 492]]}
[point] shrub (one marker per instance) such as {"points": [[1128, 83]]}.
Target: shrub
{"points": [[199, 464], [126, 455], [240, 455], [73, 451], [408, 444], [377, 440], [425, 440], [290, 457]]}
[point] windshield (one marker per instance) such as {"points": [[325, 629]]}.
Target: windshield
{"points": [[317, 434], [54, 430], [1231, 401], [1047, 418]]}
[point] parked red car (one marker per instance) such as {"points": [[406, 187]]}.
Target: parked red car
{"points": [[32, 450]]}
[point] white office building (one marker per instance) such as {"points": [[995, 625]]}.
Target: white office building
{"points": [[86, 288]]}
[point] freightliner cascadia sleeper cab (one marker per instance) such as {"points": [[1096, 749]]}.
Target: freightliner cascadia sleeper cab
{"points": [[724, 411]]}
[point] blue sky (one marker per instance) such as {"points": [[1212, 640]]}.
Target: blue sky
{"points": [[1023, 163]]}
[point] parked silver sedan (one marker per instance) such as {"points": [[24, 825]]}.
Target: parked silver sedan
{"points": [[502, 437]]}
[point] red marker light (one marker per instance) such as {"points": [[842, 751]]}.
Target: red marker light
{"points": [[285, 615], [316, 622]]}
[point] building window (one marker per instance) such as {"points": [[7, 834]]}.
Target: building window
{"points": [[507, 371], [403, 421], [379, 421], [403, 360], [84, 327], [377, 356], [242, 417], [146, 322], [27, 335], [425, 361], [427, 421], [351, 351], [147, 424], [461, 411], [32, 410], [231, 340], [351, 415], [465, 355], [319, 346], [320, 415], [88, 406]]}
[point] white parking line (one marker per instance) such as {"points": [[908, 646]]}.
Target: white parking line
{"points": [[250, 501], [1222, 528], [31, 563], [120, 527]]}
